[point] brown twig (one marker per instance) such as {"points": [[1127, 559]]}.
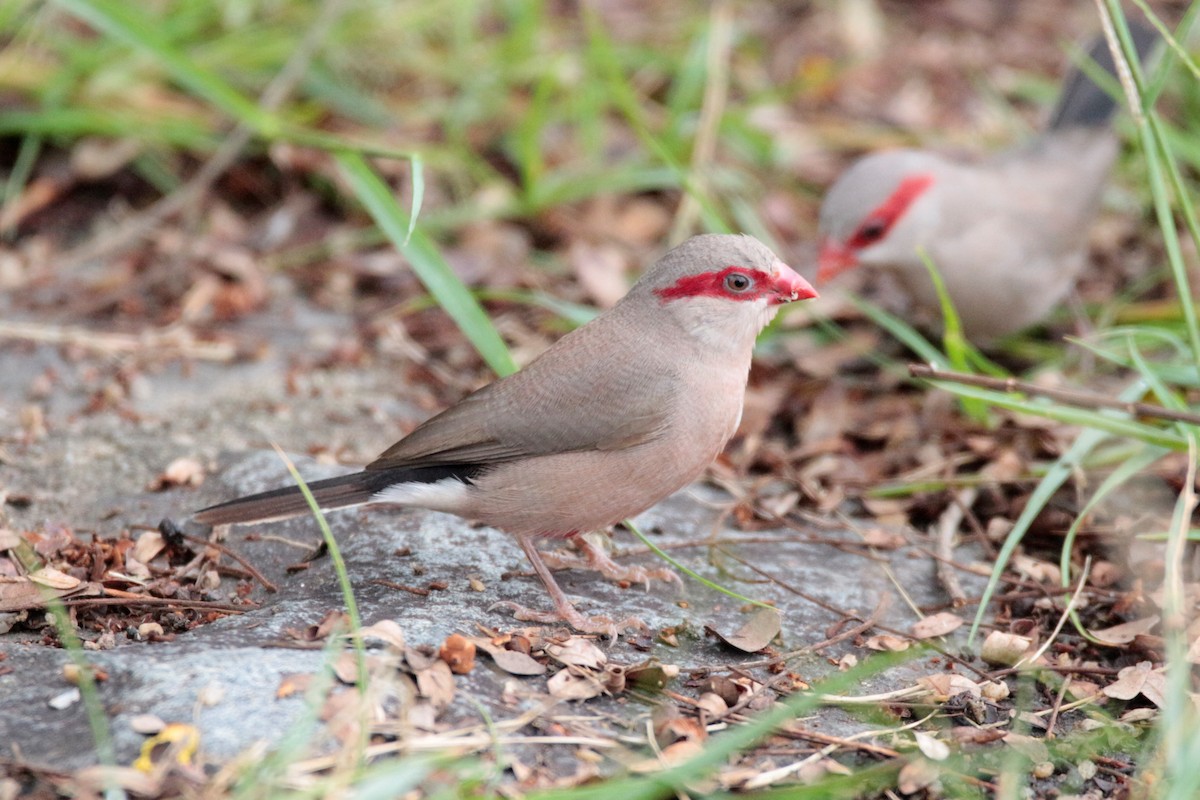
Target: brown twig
{"points": [[258, 576], [136, 600], [947, 527], [1078, 399]]}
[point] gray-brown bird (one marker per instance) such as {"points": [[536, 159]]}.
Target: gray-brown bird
{"points": [[612, 418], [1008, 234]]}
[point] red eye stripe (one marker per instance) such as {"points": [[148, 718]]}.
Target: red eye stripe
{"points": [[880, 220], [712, 284]]}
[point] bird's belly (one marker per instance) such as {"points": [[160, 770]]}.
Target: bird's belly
{"points": [[556, 495]]}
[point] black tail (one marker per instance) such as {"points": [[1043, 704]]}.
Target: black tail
{"points": [[331, 493], [1082, 103]]}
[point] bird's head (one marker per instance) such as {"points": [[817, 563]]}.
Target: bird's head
{"points": [[879, 212], [723, 288]]}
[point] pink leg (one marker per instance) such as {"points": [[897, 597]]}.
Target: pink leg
{"points": [[595, 558], [563, 610]]}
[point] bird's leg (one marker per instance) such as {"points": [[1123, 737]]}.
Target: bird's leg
{"points": [[563, 610], [596, 558]]}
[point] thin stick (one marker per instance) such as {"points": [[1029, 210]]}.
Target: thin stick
{"points": [[220, 548], [947, 527], [1079, 399]]}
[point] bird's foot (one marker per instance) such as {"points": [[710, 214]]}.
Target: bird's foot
{"points": [[570, 615], [595, 558]]}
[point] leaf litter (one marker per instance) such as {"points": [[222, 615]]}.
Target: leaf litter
{"points": [[840, 440]]}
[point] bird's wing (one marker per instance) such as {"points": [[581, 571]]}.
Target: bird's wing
{"points": [[595, 392]]}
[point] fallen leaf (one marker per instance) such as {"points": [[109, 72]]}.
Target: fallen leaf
{"points": [[146, 724], [887, 643], [514, 662], [292, 682], [1036, 569], [577, 652], [1033, 749], [54, 579], [573, 684], [931, 747], [944, 685], [916, 775], [147, 546], [969, 734], [757, 632], [436, 684], [881, 539], [1129, 682], [459, 653], [1126, 632], [1004, 648], [936, 625], [180, 472], [649, 676], [387, 631]]}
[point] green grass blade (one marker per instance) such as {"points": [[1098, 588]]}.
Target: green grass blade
{"points": [[736, 740], [418, 182], [902, 331], [129, 23], [1056, 476], [716, 587], [427, 263]]}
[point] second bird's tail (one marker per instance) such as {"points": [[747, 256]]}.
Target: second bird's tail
{"points": [[1082, 103]]}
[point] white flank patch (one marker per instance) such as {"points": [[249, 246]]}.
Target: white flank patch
{"points": [[448, 494]]}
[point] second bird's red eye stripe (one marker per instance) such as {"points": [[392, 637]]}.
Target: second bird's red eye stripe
{"points": [[881, 219], [712, 284]]}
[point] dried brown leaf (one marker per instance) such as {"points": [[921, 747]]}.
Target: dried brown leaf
{"points": [[147, 547], [1129, 682], [760, 628], [514, 662], [387, 631], [436, 684], [936, 625], [572, 683], [459, 653], [292, 682], [931, 747], [887, 643], [182, 471], [917, 775], [1126, 632], [577, 652], [1004, 648], [969, 734], [54, 579]]}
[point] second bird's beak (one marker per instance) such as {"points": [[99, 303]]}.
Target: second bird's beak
{"points": [[790, 286], [834, 259]]}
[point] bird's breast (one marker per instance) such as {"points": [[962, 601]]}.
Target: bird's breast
{"points": [[584, 490]]}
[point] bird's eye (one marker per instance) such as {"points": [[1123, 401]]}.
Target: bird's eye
{"points": [[737, 282], [871, 231]]}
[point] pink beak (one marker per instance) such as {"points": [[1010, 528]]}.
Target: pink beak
{"points": [[834, 259], [790, 286]]}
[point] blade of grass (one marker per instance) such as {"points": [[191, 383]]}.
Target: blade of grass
{"points": [[1056, 476], [736, 740], [1117, 478], [716, 587], [427, 262], [902, 331], [954, 342], [1160, 164], [1105, 421], [128, 23]]}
